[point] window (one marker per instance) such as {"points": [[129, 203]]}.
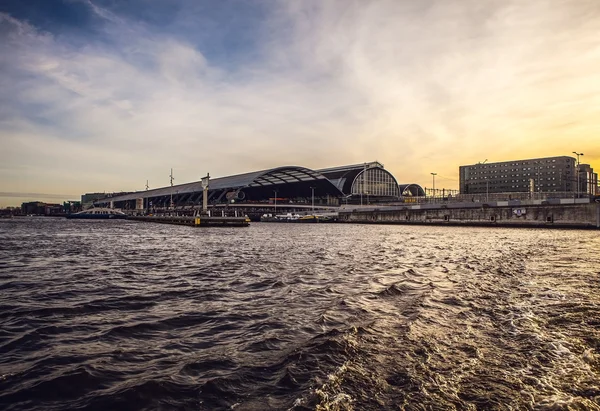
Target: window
{"points": [[375, 182]]}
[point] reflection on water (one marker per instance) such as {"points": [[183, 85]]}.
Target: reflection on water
{"points": [[108, 315]]}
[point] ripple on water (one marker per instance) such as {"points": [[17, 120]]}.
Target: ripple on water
{"points": [[121, 315]]}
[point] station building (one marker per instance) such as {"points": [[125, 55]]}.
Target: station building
{"points": [[549, 174], [353, 184]]}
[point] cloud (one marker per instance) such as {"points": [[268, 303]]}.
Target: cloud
{"points": [[421, 87]]}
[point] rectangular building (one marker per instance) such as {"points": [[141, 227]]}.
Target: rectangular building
{"points": [[588, 180], [550, 174]]}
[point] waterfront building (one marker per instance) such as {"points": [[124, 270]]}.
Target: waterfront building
{"points": [[359, 184], [88, 199], [588, 180], [367, 179], [41, 208], [549, 174]]}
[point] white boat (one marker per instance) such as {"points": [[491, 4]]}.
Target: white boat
{"points": [[99, 214]]}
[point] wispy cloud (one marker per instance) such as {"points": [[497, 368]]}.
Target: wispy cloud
{"points": [[38, 195], [420, 86]]}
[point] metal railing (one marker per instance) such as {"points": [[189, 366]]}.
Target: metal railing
{"points": [[493, 197]]}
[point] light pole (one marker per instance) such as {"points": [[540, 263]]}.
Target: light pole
{"points": [[487, 189], [275, 191], [433, 189], [312, 189], [577, 154], [364, 183]]}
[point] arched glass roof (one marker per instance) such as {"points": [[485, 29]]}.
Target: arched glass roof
{"points": [[414, 190], [271, 177], [364, 178]]}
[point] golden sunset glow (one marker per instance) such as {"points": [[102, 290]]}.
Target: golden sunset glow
{"points": [[418, 87]]}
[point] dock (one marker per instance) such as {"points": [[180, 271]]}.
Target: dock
{"points": [[195, 221], [562, 213]]}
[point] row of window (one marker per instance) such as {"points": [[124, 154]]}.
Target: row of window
{"points": [[483, 183], [497, 188], [524, 163], [536, 169], [536, 176]]}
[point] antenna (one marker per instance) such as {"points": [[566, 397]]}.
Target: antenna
{"points": [[147, 186], [171, 177]]}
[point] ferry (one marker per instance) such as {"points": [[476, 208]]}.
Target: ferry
{"points": [[279, 217], [296, 218], [99, 214]]}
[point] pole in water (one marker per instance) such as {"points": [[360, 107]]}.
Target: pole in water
{"points": [[205, 182]]}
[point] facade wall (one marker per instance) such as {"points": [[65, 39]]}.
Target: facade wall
{"points": [[375, 182], [551, 174], [558, 216]]}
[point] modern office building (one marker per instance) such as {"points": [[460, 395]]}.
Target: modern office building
{"points": [[550, 174]]}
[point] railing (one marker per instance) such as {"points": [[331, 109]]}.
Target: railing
{"points": [[492, 197]]}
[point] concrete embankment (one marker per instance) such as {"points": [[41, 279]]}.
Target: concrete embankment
{"points": [[203, 221], [566, 213]]}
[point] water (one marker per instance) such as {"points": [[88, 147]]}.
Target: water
{"points": [[124, 315]]}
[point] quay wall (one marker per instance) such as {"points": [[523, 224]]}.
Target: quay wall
{"points": [[529, 215], [204, 221]]}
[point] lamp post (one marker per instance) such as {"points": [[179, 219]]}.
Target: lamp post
{"points": [[433, 189], [205, 183], [364, 183], [312, 189], [577, 154], [275, 192]]}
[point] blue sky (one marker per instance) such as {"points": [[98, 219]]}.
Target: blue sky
{"points": [[104, 95]]}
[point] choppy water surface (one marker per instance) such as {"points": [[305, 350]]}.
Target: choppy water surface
{"points": [[124, 315]]}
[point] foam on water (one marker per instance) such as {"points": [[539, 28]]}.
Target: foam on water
{"points": [[109, 315]]}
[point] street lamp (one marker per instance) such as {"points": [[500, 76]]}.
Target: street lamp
{"points": [[433, 189], [364, 183], [312, 189], [275, 191], [577, 154]]}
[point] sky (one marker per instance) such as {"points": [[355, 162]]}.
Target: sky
{"points": [[104, 95]]}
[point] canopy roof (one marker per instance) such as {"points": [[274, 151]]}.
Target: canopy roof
{"points": [[256, 179]]}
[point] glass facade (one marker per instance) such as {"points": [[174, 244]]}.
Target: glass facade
{"points": [[375, 182]]}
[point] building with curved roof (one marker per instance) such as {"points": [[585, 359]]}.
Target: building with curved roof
{"points": [[370, 179], [289, 182], [411, 190], [292, 184]]}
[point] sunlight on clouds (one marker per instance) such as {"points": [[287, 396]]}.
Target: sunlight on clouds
{"points": [[419, 87]]}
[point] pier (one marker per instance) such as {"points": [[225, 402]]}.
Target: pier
{"points": [[195, 221], [561, 213]]}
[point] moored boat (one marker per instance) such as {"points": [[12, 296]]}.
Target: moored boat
{"points": [[99, 214]]}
